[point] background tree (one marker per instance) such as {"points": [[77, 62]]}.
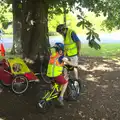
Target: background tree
{"points": [[4, 8], [37, 27], [17, 26], [34, 37], [16, 9]]}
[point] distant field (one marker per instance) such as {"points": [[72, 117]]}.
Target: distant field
{"points": [[107, 50], [8, 36]]}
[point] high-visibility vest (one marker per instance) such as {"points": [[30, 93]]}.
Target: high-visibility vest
{"points": [[55, 68], [2, 50], [69, 45]]}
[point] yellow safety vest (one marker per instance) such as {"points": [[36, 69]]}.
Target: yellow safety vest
{"points": [[54, 67], [69, 45]]}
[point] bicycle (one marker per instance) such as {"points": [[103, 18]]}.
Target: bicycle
{"points": [[72, 93], [43, 70]]}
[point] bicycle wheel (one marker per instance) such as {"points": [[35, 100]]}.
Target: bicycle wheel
{"points": [[43, 71], [73, 90], [19, 84], [44, 106]]}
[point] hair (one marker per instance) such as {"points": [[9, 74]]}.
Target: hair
{"points": [[61, 27]]}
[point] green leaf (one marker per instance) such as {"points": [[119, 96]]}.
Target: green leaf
{"points": [[5, 24], [88, 37], [79, 24]]}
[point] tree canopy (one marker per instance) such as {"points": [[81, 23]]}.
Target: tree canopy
{"points": [[109, 8]]}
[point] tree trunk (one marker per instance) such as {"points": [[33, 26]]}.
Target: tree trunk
{"points": [[17, 10], [34, 29], [64, 17], [64, 12]]}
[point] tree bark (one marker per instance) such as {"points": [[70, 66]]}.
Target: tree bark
{"points": [[64, 12], [64, 17], [34, 29], [17, 10]]}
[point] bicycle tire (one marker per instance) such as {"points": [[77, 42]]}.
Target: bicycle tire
{"points": [[44, 106], [73, 92], [17, 82], [43, 72], [45, 78]]}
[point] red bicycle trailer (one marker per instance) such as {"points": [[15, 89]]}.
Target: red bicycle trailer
{"points": [[15, 73]]}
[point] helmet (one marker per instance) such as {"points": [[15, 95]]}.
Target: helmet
{"points": [[59, 46], [60, 27]]}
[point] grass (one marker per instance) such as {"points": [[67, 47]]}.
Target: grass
{"points": [[107, 51], [8, 36]]}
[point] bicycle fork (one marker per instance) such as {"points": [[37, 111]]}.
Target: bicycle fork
{"points": [[50, 95]]}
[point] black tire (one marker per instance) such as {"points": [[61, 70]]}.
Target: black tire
{"points": [[19, 84], [45, 78], [44, 106], [73, 90], [43, 72]]}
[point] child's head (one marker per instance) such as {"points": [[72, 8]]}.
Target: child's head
{"points": [[59, 48]]}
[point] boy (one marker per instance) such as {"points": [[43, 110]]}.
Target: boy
{"points": [[55, 68]]}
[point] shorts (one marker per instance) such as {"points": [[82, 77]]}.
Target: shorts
{"points": [[60, 80], [74, 59]]}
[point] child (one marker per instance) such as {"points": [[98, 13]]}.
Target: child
{"points": [[55, 68]]}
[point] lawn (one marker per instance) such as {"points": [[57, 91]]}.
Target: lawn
{"points": [[107, 50]]}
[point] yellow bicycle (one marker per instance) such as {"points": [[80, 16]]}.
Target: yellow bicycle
{"points": [[72, 93]]}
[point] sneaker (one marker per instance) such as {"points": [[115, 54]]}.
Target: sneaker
{"points": [[61, 102]]}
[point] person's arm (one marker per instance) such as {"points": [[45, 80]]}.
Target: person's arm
{"points": [[66, 61], [77, 41], [78, 44]]}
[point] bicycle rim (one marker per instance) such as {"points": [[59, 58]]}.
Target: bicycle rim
{"points": [[78, 87], [45, 78], [43, 74], [44, 106], [19, 84], [74, 89]]}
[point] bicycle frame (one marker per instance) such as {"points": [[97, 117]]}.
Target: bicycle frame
{"points": [[52, 94]]}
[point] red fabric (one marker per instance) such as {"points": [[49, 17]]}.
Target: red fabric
{"points": [[5, 76], [2, 49], [60, 80], [30, 76]]}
